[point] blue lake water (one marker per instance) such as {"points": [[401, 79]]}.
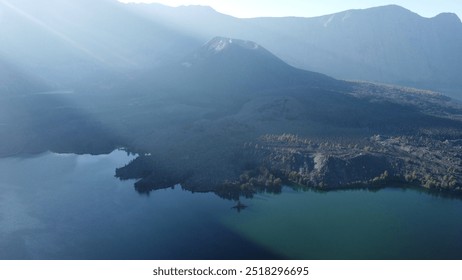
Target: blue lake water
{"points": [[65, 206]]}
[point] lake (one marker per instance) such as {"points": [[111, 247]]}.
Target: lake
{"points": [[66, 206]]}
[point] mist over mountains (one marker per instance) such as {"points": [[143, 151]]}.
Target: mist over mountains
{"points": [[72, 42], [223, 104], [386, 44]]}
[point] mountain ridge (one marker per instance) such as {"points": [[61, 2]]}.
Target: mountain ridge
{"points": [[387, 44]]}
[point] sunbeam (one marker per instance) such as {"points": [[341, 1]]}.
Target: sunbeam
{"points": [[51, 30]]}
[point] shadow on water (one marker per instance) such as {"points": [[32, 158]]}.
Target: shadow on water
{"points": [[215, 242], [66, 210]]}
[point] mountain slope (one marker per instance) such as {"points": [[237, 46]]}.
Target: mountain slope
{"points": [[225, 63], [196, 125]]}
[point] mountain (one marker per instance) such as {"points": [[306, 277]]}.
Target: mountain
{"points": [[198, 124], [225, 63], [386, 44]]}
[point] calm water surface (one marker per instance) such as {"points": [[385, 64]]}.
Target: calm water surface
{"points": [[55, 206]]}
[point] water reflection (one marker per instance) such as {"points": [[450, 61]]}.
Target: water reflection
{"points": [[239, 206]]}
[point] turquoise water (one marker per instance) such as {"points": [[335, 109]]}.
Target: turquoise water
{"points": [[55, 206], [358, 224]]}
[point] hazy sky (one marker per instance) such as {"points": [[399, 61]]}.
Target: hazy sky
{"points": [[309, 8]]}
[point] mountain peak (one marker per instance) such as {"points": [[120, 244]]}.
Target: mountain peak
{"points": [[392, 7], [219, 44], [450, 18], [196, 8], [230, 51]]}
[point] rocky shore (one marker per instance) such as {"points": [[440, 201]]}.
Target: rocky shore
{"points": [[423, 160]]}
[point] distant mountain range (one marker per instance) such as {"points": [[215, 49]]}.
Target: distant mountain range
{"points": [[74, 40], [386, 44]]}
